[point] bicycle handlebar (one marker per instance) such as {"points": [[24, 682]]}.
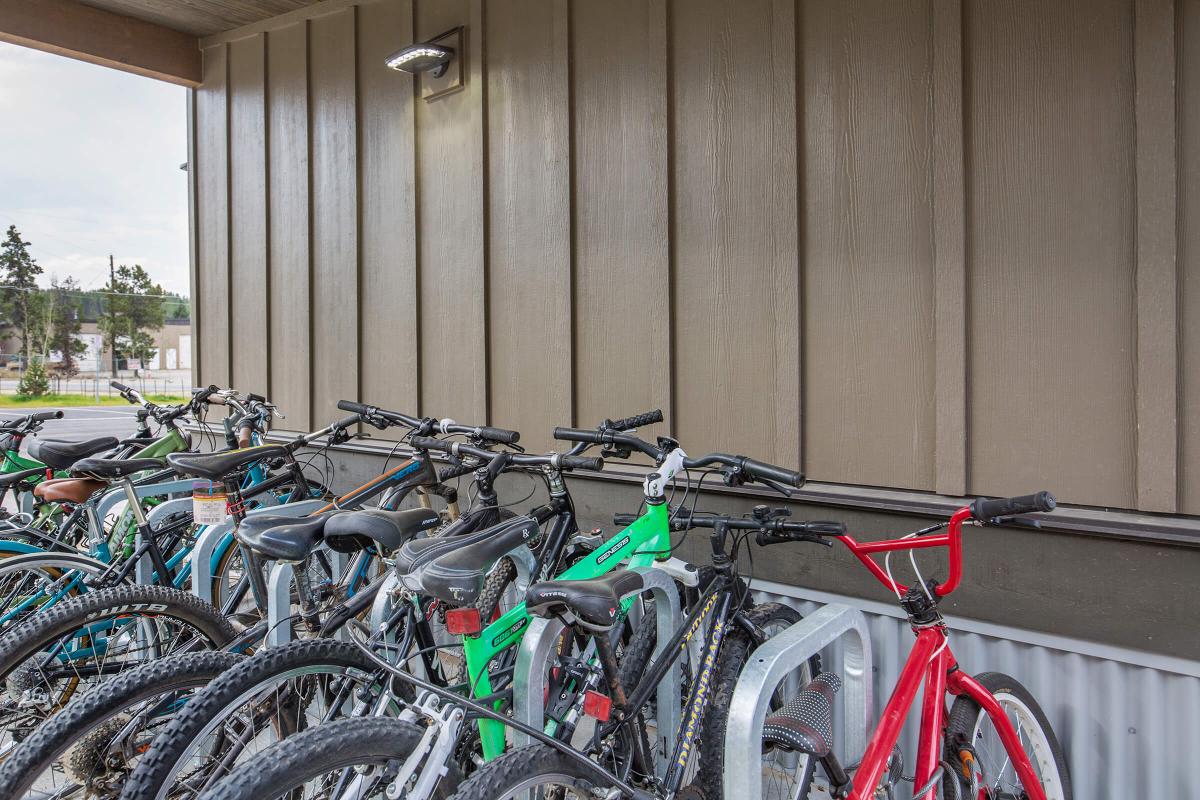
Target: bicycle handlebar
{"points": [[607, 437], [30, 420], [983, 509], [771, 530], [752, 467], [556, 460], [429, 425]]}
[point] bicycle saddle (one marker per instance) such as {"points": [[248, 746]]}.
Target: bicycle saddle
{"points": [[351, 531], [215, 466], [67, 490], [110, 468], [594, 602], [282, 538], [805, 723], [453, 568], [61, 455]]}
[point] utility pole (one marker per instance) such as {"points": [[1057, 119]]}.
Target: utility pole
{"points": [[112, 283]]}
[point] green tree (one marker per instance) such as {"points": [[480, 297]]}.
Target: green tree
{"points": [[62, 325], [34, 382], [133, 308], [19, 272]]}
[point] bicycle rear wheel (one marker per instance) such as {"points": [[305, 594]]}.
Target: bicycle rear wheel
{"points": [[970, 733], [785, 776]]}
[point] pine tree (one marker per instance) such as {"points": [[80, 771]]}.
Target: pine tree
{"points": [[34, 382], [19, 272], [63, 325]]}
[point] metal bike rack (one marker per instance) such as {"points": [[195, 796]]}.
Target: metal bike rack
{"points": [[770, 664], [117, 495], [145, 569], [381, 610], [541, 634], [279, 597], [210, 537]]}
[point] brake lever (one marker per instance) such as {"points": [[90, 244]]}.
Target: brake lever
{"points": [[779, 487], [1035, 524]]}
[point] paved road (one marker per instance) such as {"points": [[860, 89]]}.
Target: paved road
{"points": [[83, 422]]}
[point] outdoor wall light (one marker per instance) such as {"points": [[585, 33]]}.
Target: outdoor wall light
{"points": [[437, 63], [418, 58]]}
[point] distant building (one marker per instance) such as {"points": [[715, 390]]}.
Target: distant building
{"points": [[174, 341]]}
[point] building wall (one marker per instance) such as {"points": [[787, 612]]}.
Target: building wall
{"points": [[924, 245]]}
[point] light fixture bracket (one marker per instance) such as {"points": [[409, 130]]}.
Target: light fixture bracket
{"points": [[437, 63]]}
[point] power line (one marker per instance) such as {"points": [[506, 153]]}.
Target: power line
{"points": [[92, 293]]}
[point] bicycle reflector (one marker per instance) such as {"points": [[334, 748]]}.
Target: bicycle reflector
{"points": [[464, 621], [597, 706]]}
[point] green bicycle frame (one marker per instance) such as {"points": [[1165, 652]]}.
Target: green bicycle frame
{"points": [[641, 543]]}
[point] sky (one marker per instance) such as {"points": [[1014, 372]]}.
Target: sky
{"points": [[89, 165]]}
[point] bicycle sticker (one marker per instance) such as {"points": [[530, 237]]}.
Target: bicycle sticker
{"points": [[208, 503]]}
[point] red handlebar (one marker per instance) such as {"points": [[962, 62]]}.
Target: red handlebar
{"points": [[952, 538]]}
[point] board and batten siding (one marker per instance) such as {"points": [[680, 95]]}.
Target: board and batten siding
{"points": [[935, 245]]}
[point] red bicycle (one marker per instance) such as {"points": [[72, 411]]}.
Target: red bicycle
{"points": [[994, 743]]}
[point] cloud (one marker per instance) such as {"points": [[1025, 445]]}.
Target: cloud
{"points": [[89, 165]]}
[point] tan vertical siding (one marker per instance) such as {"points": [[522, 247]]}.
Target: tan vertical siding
{"points": [[288, 199], [212, 212], [619, 151], [926, 245], [735, 271], [1051, 249], [248, 219], [334, 212], [1189, 253], [529, 217], [868, 242], [450, 229], [389, 342]]}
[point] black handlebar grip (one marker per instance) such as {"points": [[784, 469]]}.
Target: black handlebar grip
{"points": [[822, 528], [624, 520], [120, 387], [578, 435], [202, 395], [353, 407], [594, 463], [450, 473], [43, 416], [761, 469], [342, 424], [499, 435], [1009, 506], [426, 443], [638, 420]]}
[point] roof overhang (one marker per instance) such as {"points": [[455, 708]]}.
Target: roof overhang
{"points": [[69, 28]]}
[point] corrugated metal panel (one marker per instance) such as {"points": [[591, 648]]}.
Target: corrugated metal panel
{"points": [[1129, 722]]}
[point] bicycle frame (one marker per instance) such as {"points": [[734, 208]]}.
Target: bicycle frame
{"points": [[931, 663], [639, 543]]}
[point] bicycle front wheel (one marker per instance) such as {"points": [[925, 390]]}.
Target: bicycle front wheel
{"points": [[348, 758], [971, 737], [538, 772]]}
